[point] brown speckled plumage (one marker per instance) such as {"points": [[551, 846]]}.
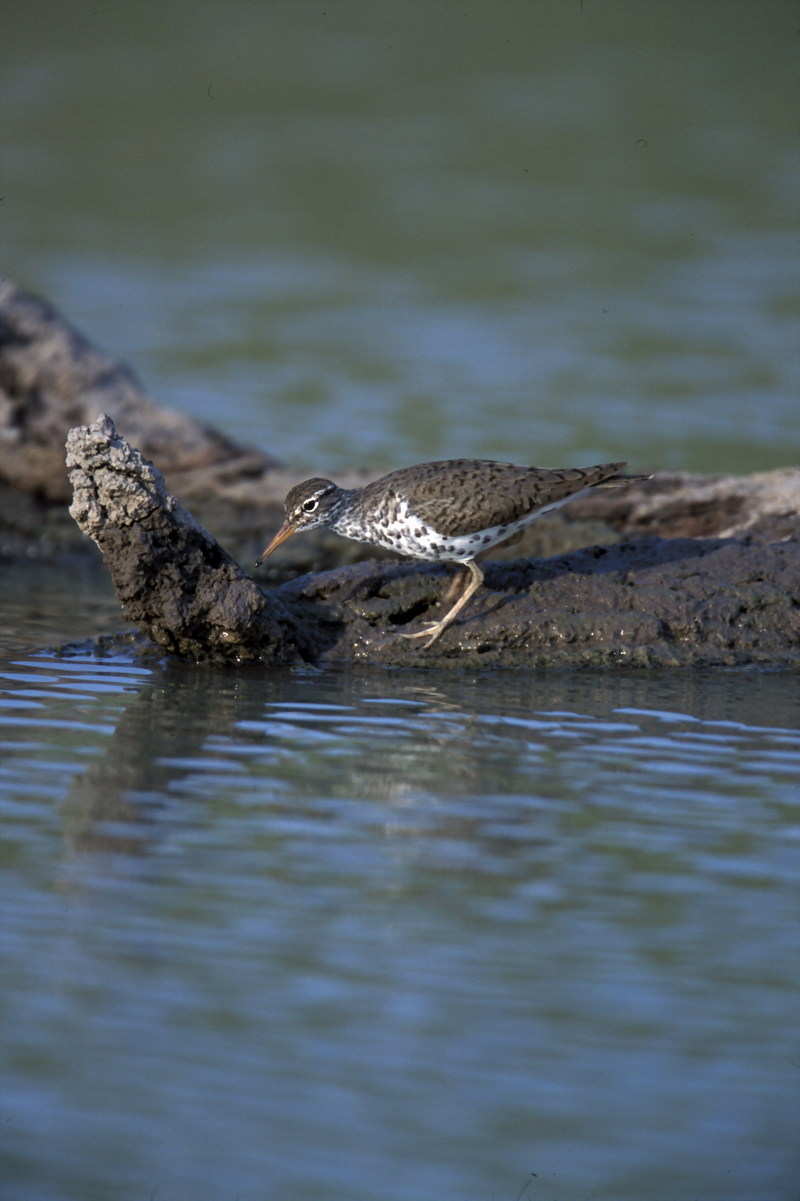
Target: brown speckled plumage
{"points": [[461, 496], [451, 510]]}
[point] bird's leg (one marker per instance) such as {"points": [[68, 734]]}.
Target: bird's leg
{"points": [[460, 578], [456, 584], [434, 629]]}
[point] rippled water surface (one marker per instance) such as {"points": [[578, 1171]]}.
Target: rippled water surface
{"points": [[335, 936]]}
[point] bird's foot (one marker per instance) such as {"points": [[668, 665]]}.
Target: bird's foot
{"points": [[431, 630]]}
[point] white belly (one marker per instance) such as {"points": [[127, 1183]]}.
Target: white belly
{"points": [[407, 534]]}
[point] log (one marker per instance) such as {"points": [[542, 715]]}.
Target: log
{"points": [[174, 581], [52, 378], [646, 602]]}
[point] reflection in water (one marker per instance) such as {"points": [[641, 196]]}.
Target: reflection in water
{"points": [[432, 753], [476, 925]]}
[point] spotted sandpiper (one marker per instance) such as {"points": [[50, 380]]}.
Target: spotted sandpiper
{"points": [[451, 511]]}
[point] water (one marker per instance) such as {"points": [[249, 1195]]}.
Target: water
{"points": [[373, 234], [329, 935]]}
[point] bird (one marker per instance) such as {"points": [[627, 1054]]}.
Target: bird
{"points": [[448, 511]]}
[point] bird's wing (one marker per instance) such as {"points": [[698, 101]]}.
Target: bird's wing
{"points": [[463, 496]]}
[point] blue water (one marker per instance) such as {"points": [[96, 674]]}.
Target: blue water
{"points": [[325, 935]]}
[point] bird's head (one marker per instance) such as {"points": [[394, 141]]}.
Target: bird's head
{"points": [[307, 506]]}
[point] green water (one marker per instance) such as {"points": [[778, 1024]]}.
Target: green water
{"points": [[374, 233]]}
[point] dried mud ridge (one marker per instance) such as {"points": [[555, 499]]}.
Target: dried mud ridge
{"points": [[646, 602]]}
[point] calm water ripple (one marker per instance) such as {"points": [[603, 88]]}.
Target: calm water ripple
{"points": [[310, 930]]}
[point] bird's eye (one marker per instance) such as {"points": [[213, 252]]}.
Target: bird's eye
{"points": [[310, 505]]}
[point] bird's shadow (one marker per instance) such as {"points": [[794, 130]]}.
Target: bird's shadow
{"points": [[403, 592], [628, 559], [638, 554]]}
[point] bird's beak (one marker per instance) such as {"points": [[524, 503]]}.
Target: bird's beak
{"points": [[286, 531]]}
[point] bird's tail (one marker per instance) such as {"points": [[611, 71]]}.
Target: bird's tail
{"points": [[622, 479]]}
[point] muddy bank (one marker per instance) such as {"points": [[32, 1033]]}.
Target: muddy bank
{"points": [[645, 602]]}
